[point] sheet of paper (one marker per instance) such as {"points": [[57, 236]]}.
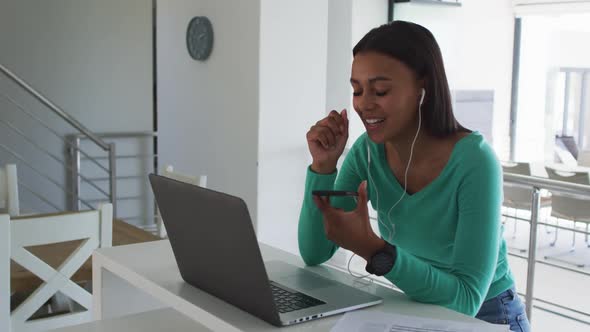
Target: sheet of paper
{"points": [[374, 321]]}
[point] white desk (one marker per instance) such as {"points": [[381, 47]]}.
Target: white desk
{"points": [[148, 321], [141, 277]]}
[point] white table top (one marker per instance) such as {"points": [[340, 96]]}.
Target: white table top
{"points": [[538, 168], [149, 321], [151, 267]]}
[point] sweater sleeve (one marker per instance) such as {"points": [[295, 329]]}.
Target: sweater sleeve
{"points": [[314, 247], [464, 286]]}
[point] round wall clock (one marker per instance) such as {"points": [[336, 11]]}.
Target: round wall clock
{"points": [[199, 38]]}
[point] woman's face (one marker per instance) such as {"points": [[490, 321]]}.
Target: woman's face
{"points": [[386, 96]]}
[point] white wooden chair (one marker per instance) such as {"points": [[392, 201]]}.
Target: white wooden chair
{"points": [[169, 172], [94, 227], [9, 202]]}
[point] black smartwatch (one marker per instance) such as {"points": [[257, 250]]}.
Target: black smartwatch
{"points": [[382, 261]]}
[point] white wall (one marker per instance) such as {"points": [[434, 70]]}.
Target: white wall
{"points": [[476, 40], [208, 111], [338, 89], [92, 58], [293, 69], [570, 48]]}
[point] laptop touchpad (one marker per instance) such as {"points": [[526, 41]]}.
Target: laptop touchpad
{"points": [[303, 280]]}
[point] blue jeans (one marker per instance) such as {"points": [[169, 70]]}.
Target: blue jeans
{"points": [[506, 309]]}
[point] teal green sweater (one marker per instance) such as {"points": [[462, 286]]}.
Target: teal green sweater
{"points": [[450, 249]]}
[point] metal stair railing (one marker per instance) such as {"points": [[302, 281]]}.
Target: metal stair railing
{"points": [[80, 130]]}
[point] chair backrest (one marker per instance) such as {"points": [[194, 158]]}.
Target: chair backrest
{"points": [[569, 207], [169, 172], [514, 196], [568, 176], [93, 227], [9, 202], [521, 168]]}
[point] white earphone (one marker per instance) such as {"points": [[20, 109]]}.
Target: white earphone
{"points": [[422, 99], [391, 230]]}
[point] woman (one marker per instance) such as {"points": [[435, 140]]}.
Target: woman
{"points": [[436, 186]]}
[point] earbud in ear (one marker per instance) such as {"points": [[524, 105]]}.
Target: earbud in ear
{"points": [[422, 96]]}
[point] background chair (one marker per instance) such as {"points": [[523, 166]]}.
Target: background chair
{"points": [[19, 235], [519, 198], [169, 172], [564, 207], [9, 202]]}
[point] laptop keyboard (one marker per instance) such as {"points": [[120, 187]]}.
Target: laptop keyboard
{"points": [[287, 301]]}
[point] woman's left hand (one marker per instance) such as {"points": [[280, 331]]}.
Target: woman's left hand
{"points": [[351, 230]]}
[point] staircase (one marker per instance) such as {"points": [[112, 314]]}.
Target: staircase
{"points": [[64, 166]]}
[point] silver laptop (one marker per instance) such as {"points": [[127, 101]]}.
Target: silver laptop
{"points": [[216, 250]]}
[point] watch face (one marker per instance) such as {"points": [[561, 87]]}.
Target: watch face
{"points": [[199, 38], [382, 263]]}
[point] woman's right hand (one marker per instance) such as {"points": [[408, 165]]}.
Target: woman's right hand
{"points": [[326, 141]]}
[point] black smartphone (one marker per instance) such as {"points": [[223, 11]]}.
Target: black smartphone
{"points": [[328, 193]]}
